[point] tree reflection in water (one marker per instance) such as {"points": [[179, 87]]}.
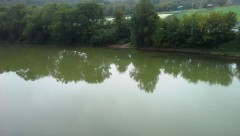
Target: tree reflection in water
{"points": [[146, 72], [92, 65], [238, 70], [78, 66]]}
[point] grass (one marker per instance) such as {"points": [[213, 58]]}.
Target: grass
{"points": [[235, 9], [225, 9]]}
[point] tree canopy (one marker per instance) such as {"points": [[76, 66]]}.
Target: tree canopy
{"points": [[144, 23], [86, 23]]}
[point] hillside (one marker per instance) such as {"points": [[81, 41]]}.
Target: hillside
{"points": [[35, 2], [159, 4], [225, 9], [42, 2]]}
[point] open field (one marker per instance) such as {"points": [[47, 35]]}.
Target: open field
{"points": [[235, 9], [165, 14]]}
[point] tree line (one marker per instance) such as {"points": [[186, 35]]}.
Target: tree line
{"points": [[194, 30], [82, 22], [86, 23]]}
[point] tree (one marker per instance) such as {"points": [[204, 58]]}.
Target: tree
{"points": [[62, 25], [121, 25], [219, 26], [144, 24], [172, 32], [89, 17], [3, 24], [38, 23], [194, 29], [15, 22]]}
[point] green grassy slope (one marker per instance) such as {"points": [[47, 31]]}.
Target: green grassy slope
{"points": [[235, 9]]}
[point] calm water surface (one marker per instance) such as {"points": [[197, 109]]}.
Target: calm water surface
{"points": [[76, 91]]}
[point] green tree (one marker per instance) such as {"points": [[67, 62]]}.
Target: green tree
{"points": [[89, 17], [194, 29], [14, 21], [3, 24], [38, 23], [160, 34], [219, 26], [144, 24], [172, 32], [121, 25], [104, 36], [62, 26]]}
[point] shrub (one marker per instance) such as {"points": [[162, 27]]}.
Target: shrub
{"points": [[104, 36]]}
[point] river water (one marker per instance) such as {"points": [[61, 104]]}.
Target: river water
{"points": [[75, 91]]}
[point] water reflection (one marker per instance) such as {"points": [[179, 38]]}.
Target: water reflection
{"points": [[78, 66], [238, 70], [195, 70], [146, 72], [93, 65]]}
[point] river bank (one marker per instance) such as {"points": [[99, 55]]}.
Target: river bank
{"points": [[227, 51]]}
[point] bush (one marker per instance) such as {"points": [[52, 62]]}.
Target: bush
{"points": [[104, 36], [194, 29], [169, 33], [219, 27]]}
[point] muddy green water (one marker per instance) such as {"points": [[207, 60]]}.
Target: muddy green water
{"points": [[75, 91]]}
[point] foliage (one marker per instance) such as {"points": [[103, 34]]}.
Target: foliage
{"points": [[38, 23], [225, 9], [121, 25], [12, 22], [125, 6], [219, 26], [194, 29], [235, 9], [197, 30], [104, 36], [238, 34], [172, 34], [88, 17], [51, 23], [144, 24], [62, 25], [85, 23]]}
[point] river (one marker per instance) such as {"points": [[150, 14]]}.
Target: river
{"points": [[49, 90]]}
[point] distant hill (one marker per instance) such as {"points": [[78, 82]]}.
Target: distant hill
{"points": [[161, 2], [42, 2], [128, 5], [35, 2]]}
